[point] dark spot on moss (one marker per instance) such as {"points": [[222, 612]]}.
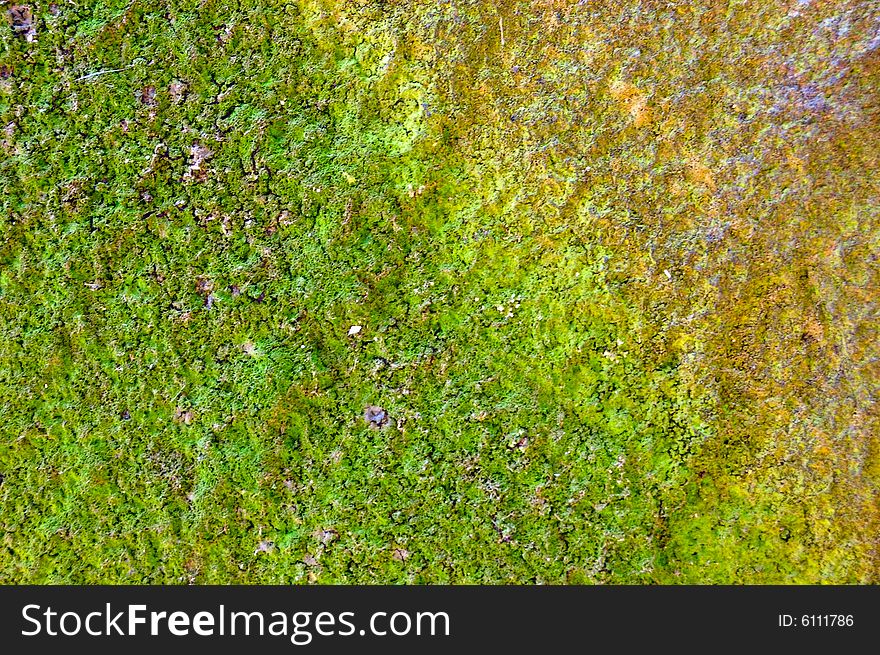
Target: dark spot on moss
{"points": [[177, 90], [265, 546], [204, 286], [147, 96], [20, 17], [376, 417]]}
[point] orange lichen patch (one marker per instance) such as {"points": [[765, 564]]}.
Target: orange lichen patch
{"points": [[554, 10], [675, 188], [552, 4], [550, 12], [822, 452], [813, 329], [795, 163], [699, 173], [872, 460], [633, 100]]}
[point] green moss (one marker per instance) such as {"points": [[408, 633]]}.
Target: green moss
{"points": [[614, 274]]}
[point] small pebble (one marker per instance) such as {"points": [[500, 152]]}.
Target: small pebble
{"points": [[376, 416]]}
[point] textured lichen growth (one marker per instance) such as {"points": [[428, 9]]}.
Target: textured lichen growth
{"points": [[613, 268]]}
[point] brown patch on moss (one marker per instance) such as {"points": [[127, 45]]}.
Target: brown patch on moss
{"points": [[184, 416], [376, 417], [147, 95], [198, 155], [204, 286], [177, 90], [22, 20]]}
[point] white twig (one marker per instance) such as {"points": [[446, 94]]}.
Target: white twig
{"points": [[103, 72]]}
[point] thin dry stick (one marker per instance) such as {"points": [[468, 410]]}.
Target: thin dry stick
{"points": [[103, 72], [89, 76]]}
